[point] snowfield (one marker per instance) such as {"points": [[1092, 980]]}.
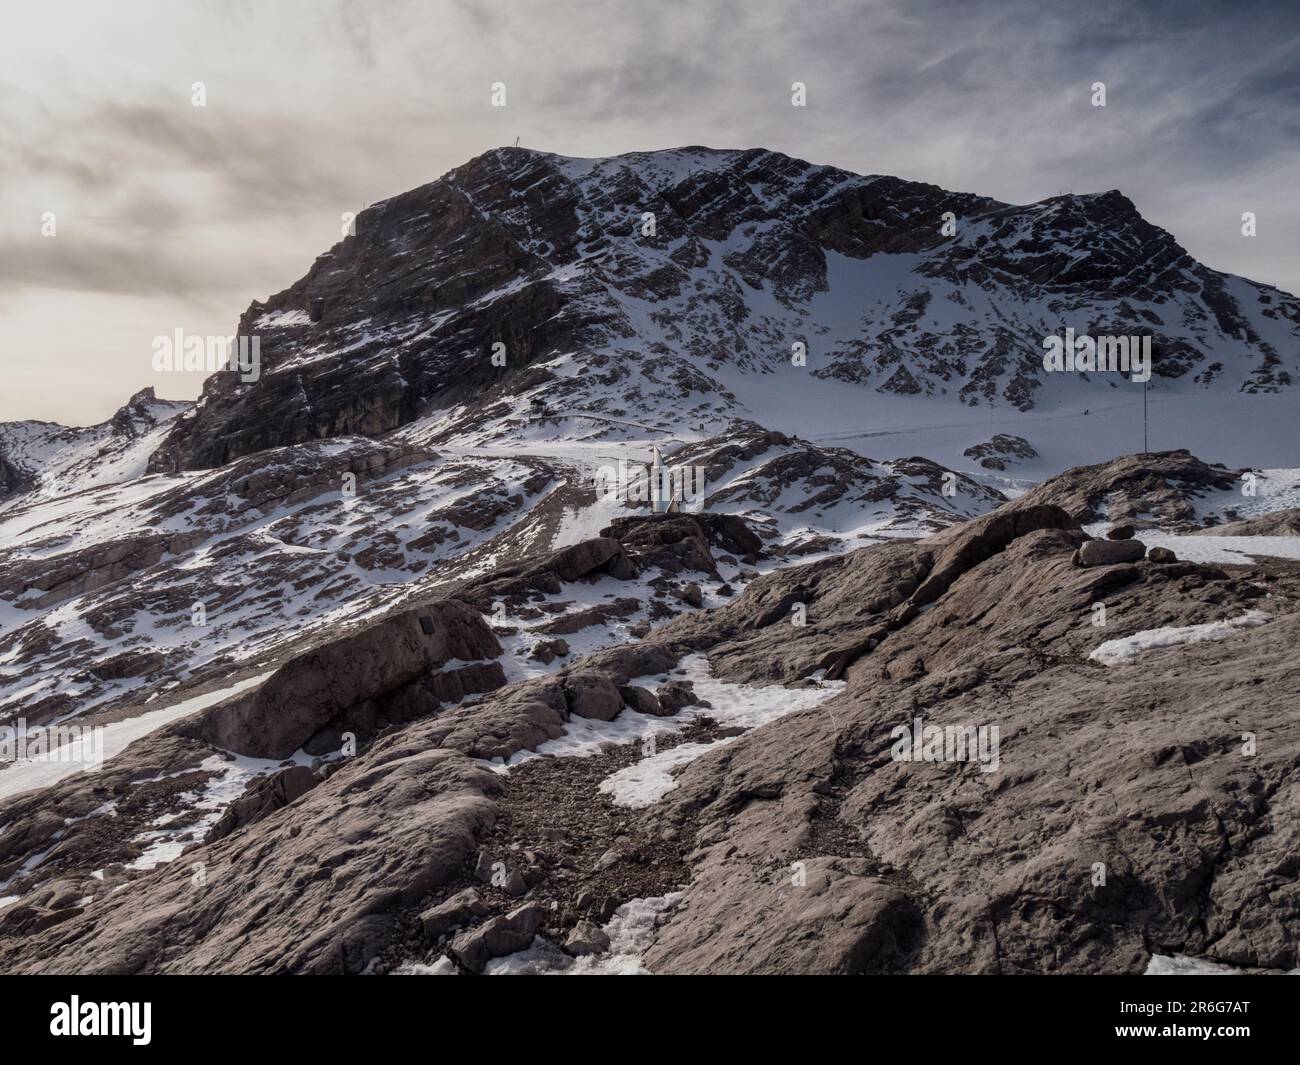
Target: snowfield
{"points": [[1238, 550]]}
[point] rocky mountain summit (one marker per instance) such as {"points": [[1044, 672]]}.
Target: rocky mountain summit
{"points": [[45, 460], [628, 292]]}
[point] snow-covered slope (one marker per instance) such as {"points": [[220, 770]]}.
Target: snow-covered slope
{"points": [[127, 591], [43, 460]]}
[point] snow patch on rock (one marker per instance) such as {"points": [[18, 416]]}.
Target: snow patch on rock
{"points": [[631, 931], [1180, 965], [28, 775], [1125, 650], [1239, 550], [744, 706]]}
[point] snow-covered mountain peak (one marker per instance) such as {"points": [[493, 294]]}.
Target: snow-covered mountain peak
{"points": [[652, 272]]}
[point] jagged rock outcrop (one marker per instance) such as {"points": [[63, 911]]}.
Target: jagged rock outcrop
{"points": [[45, 459], [1155, 490], [590, 559], [673, 543], [1003, 450], [645, 533]]}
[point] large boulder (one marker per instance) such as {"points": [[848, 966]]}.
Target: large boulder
{"points": [[675, 695], [455, 912], [1110, 552], [580, 560], [322, 688], [586, 938], [730, 533], [592, 695], [507, 934], [642, 700]]}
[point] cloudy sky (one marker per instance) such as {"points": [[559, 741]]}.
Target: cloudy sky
{"points": [[173, 216]]}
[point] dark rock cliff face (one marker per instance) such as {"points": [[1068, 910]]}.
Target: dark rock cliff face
{"points": [[13, 479], [405, 311], [749, 253]]}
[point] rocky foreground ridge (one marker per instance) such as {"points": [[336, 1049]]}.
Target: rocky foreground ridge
{"points": [[1126, 815]]}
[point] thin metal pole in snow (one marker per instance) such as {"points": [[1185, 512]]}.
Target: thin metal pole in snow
{"points": [[1144, 417]]}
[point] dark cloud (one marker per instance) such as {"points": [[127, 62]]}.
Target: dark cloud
{"points": [[118, 264]]}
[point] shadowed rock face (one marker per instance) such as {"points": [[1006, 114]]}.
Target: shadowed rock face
{"points": [[263, 797], [460, 280]]}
